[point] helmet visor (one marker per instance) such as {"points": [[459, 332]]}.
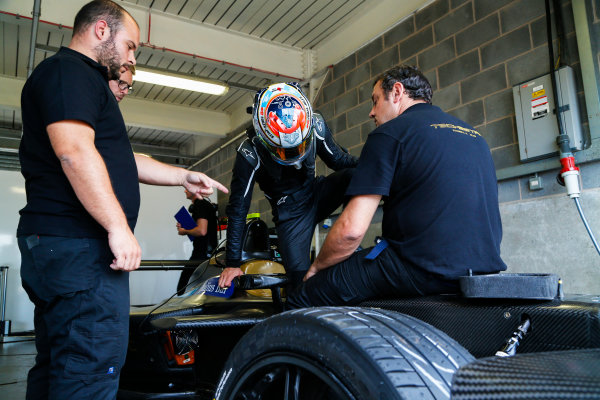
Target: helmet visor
{"points": [[282, 118], [290, 155]]}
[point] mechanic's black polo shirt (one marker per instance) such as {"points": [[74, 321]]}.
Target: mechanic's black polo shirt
{"points": [[71, 86], [440, 191]]}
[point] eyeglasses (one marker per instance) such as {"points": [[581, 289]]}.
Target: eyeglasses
{"points": [[124, 85]]}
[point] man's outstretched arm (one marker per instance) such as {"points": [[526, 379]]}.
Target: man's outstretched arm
{"points": [[153, 172], [347, 232]]}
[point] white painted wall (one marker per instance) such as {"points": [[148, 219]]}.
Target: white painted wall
{"points": [[546, 235], [19, 309], [155, 232]]}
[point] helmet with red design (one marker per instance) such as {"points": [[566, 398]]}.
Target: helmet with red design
{"points": [[282, 118]]}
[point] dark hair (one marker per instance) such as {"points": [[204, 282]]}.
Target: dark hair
{"points": [[416, 85], [96, 10]]}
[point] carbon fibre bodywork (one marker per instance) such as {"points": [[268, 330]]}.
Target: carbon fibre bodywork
{"points": [[179, 350], [482, 326]]}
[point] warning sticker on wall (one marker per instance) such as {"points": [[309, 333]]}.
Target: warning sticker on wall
{"points": [[538, 93], [539, 107]]}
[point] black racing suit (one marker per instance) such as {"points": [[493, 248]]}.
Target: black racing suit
{"points": [[298, 198]]}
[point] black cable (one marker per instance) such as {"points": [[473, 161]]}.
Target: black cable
{"points": [[562, 136], [560, 34]]}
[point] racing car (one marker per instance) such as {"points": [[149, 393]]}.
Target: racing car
{"points": [[506, 336]]}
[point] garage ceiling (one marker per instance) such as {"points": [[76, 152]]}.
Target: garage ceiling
{"points": [[247, 44]]}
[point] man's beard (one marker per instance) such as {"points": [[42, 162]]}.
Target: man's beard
{"points": [[108, 56]]}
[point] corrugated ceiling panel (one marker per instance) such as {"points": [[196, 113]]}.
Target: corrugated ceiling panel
{"points": [[332, 23], [143, 89], [314, 23], [290, 23], [233, 13], [162, 96], [189, 8], [160, 5], [260, 13], [172, 97], [248, 13], [175, 6], [203, 10], [154, 91], [220, 8], [278, 13], [192, 97], [144, 3]]}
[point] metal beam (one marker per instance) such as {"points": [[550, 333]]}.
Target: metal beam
{"points": [[253, 89], [142, 113], [212, 44], [173, 118]]}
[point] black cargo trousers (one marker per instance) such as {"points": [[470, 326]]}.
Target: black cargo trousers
{"points": [[81, 316]]}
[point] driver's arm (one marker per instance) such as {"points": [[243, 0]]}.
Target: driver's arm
{"points": [[242, 183], [347, 232], [334, 156]]}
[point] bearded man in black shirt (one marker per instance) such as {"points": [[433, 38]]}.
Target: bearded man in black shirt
{"points": [[75, 233]]}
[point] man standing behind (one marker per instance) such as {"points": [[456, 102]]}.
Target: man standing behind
{"points": [[76, 230], [204, 233], [122, 86], [440, 213]]}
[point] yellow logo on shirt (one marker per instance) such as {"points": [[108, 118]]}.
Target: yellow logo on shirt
{"points": [[456, 128]]}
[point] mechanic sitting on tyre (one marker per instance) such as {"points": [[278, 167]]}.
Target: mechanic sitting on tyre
{"points": [[440, 212], [280, 154]]}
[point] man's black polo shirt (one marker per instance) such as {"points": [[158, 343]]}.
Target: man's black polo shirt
{"points": [[438, 181], [71, 86]]}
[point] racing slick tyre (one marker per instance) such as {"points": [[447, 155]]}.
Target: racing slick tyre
{"points": [[341, 353]]}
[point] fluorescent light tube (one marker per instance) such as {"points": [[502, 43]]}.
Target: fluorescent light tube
{"points": [[195, 85]]}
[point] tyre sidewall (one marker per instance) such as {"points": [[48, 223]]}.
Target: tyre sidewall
{"points": [[314, 341]]}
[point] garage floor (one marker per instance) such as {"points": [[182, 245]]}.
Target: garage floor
{"points": [[17, 356]]}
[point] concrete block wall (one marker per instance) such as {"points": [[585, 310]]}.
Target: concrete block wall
{"points": [[473, 52]]}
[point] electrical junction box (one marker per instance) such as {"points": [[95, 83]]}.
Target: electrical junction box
{"points": [[535, 110]]}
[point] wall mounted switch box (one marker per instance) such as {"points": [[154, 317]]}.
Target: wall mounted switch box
{"points": [[535, 109], [535, 183]]}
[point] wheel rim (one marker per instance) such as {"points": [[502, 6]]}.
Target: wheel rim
{"points": [[286, 376]]}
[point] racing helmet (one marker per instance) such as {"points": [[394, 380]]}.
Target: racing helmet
{"points": [[282, 118]]}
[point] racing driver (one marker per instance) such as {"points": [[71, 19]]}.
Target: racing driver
{"points": [[279, 153]]}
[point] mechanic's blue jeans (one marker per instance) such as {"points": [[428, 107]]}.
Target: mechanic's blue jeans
{"points": [[81, 317]]}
